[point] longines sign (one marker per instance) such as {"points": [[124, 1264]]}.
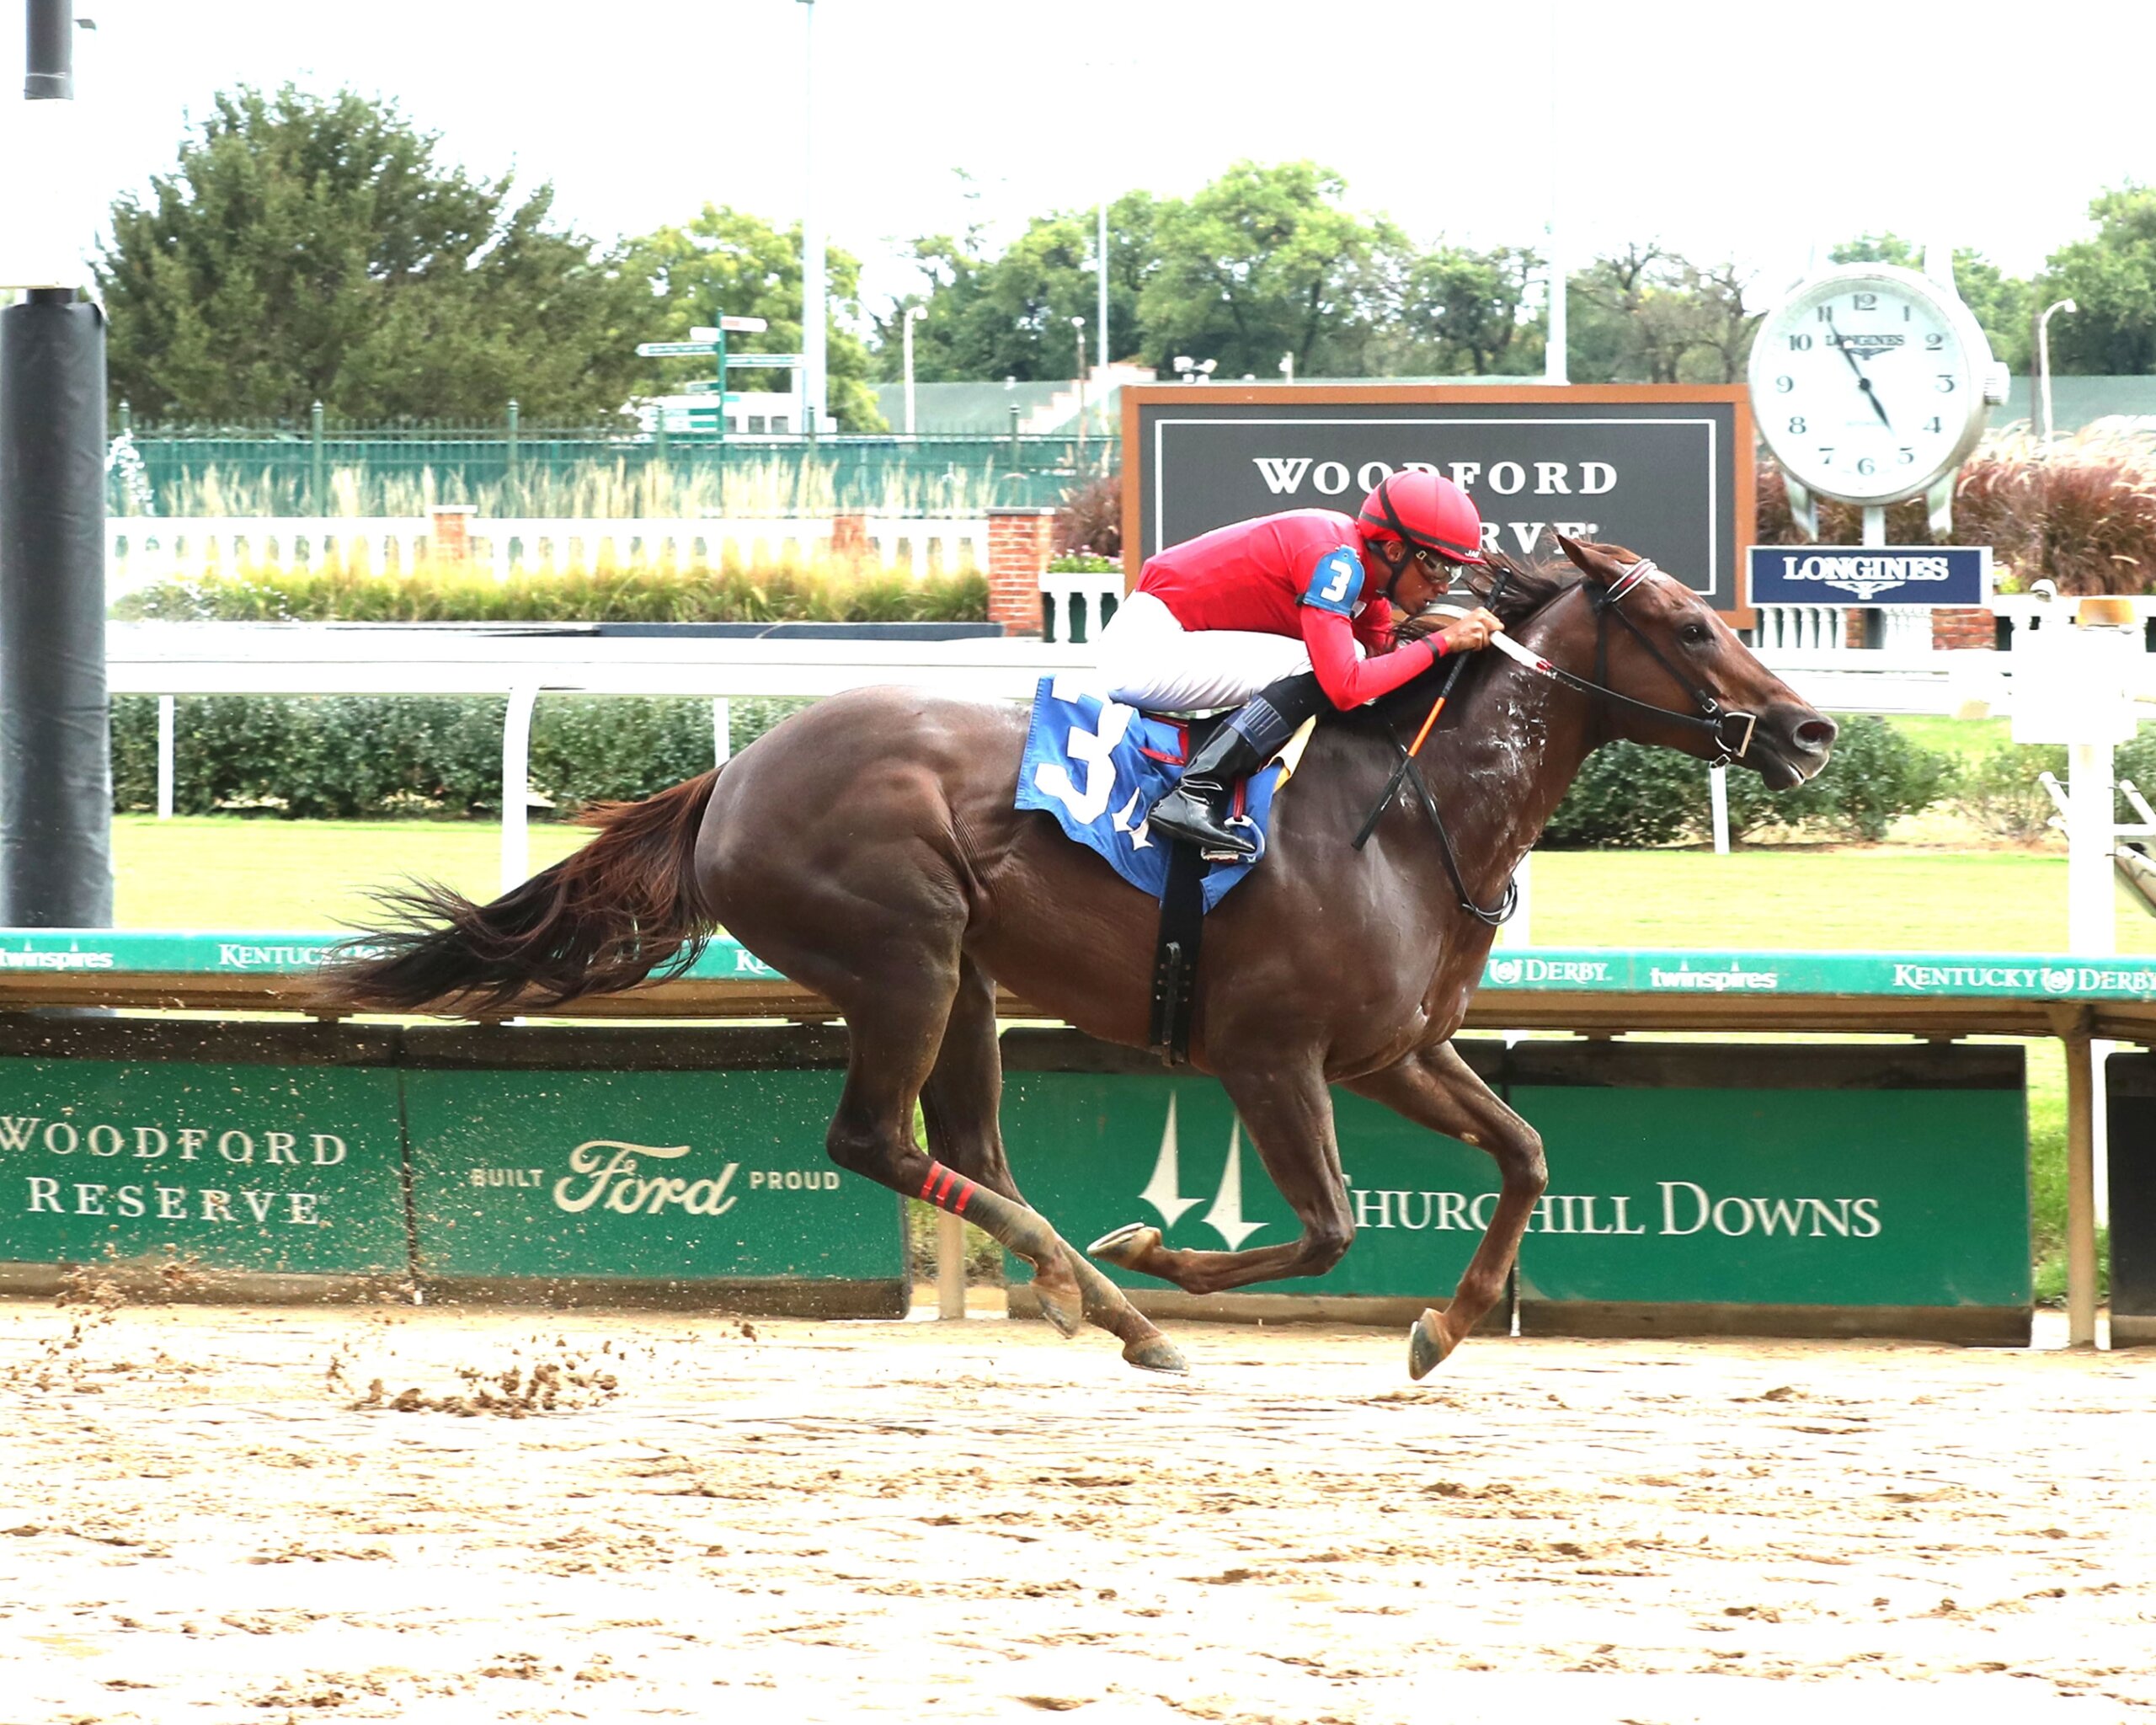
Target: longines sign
{"points": [[1666, 471]]}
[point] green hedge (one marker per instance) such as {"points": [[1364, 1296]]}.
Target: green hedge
{"points": [[342, 756], [1627, 795], [345, 757]]}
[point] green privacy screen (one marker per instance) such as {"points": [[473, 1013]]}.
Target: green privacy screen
{"points": [[1731, 1176], [646, 1176], [248, 1169]]}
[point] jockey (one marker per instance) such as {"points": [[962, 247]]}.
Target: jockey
{"points": [[1276, 616]]}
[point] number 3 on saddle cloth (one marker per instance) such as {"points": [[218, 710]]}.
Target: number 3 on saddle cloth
{"points": [[1098, 765]]}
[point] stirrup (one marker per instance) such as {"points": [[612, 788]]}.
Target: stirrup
{"points": [[1215, 840]]}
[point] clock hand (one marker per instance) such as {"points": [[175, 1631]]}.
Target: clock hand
{"points": [[1863, 381]]}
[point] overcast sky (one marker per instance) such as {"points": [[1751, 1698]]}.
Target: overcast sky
{"points": [[1724, 130]]}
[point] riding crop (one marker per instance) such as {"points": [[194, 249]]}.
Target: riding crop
{"points": [[1407, 759]]}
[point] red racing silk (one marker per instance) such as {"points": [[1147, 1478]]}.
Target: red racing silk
{"points": [[1305, 573]]}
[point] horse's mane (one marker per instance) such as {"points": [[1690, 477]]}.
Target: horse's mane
{"points": [[1514, 590]]}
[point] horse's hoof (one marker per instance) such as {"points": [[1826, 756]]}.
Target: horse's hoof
{"points": [[1156, 1353], [1126, 1245], [1065, 1316], [1427, 1347]]}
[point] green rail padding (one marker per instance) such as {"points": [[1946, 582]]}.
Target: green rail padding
{"points": [[1552, 969], [278, 1170], [1808, 1176], [652, 1177]]}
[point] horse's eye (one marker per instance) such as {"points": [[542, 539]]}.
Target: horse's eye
{"points": [[1695, 634]]}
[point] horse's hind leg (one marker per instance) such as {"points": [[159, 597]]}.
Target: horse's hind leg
{"points": [[960, 1103], [1436, 1088], [1283, 1101]]}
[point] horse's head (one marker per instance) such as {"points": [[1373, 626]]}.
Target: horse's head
{"points": [[1680, 677]]}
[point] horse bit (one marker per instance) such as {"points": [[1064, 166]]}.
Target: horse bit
{"points": [[1730, 729]]}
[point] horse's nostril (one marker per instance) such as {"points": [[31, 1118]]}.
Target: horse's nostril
{"points": [[1818, 733]]}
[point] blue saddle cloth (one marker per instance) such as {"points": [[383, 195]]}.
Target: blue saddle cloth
{"points": [[1098, 765]]}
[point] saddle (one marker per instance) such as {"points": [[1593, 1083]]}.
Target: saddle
{"points": [[1096, 766]]}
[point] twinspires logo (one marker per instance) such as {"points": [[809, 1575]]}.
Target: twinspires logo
{"points": [[1735, 979]]}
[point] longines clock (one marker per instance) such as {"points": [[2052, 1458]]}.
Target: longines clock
{"points": [[1871, 384]]}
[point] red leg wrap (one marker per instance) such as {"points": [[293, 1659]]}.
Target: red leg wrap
{"points": [[947, 1189]]}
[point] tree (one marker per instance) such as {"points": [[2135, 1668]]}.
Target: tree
{"points": [[2000, 302], [1648, 316], [313, 248], [1465, 313], [1009, 315], [1264, 262], [2112, 278], [728, 263]]}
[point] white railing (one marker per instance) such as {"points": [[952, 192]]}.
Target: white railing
{"points": [[1801, 629], [1076, 607], [167, 659], [143, 550]]}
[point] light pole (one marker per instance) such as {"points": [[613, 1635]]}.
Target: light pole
{"points": [[812, 240], [1078, 329], [1101, 285], [2044, 363], [914, 315], [1556, 359]]}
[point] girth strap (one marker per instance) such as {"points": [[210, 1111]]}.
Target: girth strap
{"points": [[1175, 959]]}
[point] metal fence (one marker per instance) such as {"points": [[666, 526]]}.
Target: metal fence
{"points": [[328, 468]]}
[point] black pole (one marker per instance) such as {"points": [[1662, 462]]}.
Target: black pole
{"points": [[50, 59], [56, 764]]}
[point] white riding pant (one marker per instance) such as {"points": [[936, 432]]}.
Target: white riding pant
{"points": [[1149, 660]]}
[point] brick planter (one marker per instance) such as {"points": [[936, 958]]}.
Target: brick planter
{"points": [[1963, 627], [1018, 546]]}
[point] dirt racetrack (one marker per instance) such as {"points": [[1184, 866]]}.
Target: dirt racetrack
{"points": [[857, 1521]]}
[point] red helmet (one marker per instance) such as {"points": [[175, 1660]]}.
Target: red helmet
{"points": [[1426, 510]]}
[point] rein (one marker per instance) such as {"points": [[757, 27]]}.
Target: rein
{"points": [[1730, 729]]}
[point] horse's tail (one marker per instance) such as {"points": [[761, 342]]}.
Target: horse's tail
{"points": [[598, 922]]}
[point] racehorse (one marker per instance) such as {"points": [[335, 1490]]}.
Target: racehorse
{"points": [[868, 848]]}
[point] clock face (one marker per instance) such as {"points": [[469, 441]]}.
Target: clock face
{"points": [[1868, 385]]}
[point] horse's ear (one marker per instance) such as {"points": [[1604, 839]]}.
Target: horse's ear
{"points": [[1589, 560]]}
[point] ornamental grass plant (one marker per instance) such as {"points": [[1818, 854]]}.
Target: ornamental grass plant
{"points": [[626, 487], [825, 590], [2081, 512]]}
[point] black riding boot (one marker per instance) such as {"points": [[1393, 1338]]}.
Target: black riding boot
{"points": [[1196, 810]]}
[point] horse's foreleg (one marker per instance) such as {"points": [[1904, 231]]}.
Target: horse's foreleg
{"points": [[960, 1104], [1437, 1088], [1289, 1113]]}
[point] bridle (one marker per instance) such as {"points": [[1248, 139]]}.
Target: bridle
{"points": [[1730, 729]]}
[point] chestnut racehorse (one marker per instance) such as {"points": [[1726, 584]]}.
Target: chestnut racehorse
{"points": [[868, 848]]}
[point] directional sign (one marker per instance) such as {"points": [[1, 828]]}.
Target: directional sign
{"points": [[737, 326], [675, 349], [766, 362], [1848, 575]]}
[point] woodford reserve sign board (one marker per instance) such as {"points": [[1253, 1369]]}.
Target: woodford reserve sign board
{"points": [[1664, 470]]}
